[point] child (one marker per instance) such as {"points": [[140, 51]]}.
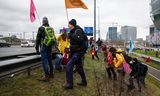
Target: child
{"points": [[94, 53]]}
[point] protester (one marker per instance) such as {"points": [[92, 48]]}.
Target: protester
{"points": [[118, 60], [110, 68], [77, 40], [104, 52], [45, 40], [63, 41], [99, 43], [94, 52], [139, 72]]}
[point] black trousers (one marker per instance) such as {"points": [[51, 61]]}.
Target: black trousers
{"points": [[111, 72]]}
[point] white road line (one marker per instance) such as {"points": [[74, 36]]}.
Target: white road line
{"points": [[154, 76]]}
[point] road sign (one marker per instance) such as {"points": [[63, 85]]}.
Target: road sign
{"points": [[88, 31]]}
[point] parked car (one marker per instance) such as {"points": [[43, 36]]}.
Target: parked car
{"points": [[27, 44]]}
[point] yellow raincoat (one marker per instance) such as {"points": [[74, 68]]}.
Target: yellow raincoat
{"points": [[62, 44], [119, 60]]}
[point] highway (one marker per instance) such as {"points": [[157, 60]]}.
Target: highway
{"points": [[15, 50], [154, 72]]}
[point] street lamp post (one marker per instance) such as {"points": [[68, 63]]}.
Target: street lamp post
{"points": [[95, 20]]}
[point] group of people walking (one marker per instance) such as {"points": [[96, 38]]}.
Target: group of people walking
{"points": [[71, 45], [125, 69]]}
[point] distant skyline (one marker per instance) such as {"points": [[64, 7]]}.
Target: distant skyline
{"points": [[15, 15]]}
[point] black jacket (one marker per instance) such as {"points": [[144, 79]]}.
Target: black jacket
{"points": [[76, 37], [40, 36]]}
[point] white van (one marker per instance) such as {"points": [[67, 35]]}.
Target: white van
{"points": [[27, 44]]}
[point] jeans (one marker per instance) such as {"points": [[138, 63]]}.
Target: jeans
{"points": [[57, 61], [46, 57], [76, 59]]}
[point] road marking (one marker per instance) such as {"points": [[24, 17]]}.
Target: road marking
{"points": [[154, 76]]}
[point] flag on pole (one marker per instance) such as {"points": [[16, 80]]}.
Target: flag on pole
{"points": [[131, 45], [75, 4], [32, 11]]}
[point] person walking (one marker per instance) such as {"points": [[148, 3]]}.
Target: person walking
{"points": [[94, 52], [45, 40], [110, 69], [99, 43], [77, 39]]}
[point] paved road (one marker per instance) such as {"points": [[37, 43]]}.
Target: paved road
{"points": [[154, 72], [14, 50]]}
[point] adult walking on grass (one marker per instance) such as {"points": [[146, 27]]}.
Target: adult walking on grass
{"points": [[77, 40], [45, 40]]}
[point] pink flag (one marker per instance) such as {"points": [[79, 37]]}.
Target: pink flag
{"points": [[32, 11]]}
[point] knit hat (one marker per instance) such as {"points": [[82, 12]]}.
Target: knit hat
{"points": [[45, 20], [73, 22]]}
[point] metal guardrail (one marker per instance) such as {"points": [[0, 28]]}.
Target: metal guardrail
{"points": [[14, 66], [16, 55], [144, 57]]}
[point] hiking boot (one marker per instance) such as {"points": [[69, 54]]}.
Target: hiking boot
{"points": [[67, 86], [82, 84]]}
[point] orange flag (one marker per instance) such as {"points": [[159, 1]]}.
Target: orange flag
{"points": [[75, 4]]}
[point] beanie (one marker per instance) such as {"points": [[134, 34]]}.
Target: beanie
{"points": [[73, 22]]}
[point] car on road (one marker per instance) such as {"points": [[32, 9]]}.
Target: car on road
{"points": [[3, 43], [27, 44]]}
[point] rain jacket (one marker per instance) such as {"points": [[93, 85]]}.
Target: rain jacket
{"points": [[109, 58], [62, 44], [119, 59]]}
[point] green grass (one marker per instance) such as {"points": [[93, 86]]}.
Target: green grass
{"points": [[149, 53], [23, 85], [157, 66]]}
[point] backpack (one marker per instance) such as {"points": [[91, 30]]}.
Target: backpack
{"points": [[50, 38], [85, 43], [85, 40], [142, 69]]}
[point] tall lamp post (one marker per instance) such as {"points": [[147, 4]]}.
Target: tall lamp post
{"points": [[95, 20]]}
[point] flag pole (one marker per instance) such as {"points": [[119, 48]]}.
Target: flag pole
{"points": [[67, 15], [95, 20], [38, 17]]}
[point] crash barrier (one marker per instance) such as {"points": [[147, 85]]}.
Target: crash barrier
{"points": [[18, 65], [18, 55], [156, 61]]}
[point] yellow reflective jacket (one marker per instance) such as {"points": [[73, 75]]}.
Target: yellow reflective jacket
{"points": [[118, 60], [62, 44]]}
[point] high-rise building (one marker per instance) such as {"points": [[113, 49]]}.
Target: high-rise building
{"points": [[155, 12], [112, 33], [128, 32], [153, 30]]}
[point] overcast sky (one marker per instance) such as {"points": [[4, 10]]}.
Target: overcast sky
{"points": [[14, 15]]}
